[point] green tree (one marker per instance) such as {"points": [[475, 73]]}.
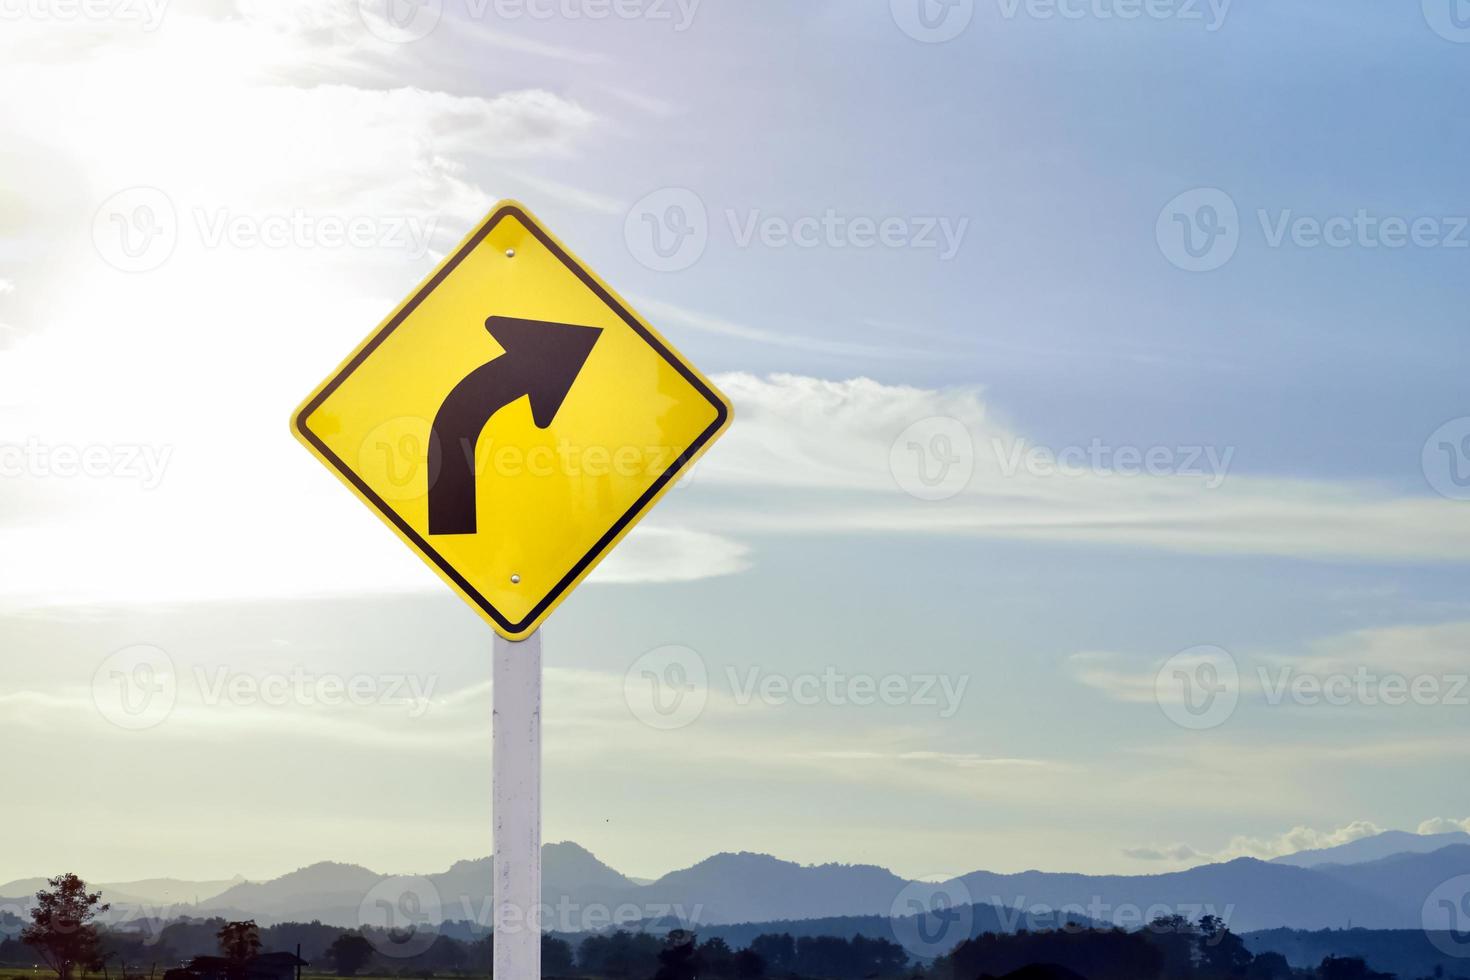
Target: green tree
{"points": [[62, 928], [349, 953]]}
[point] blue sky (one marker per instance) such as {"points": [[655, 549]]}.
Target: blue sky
{"points": [[1054, 149]]}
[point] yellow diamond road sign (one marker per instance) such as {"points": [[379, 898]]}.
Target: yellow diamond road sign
{"points": [[512, 420]]}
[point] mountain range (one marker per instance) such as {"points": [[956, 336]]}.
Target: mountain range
{"points": [[1354, 884]]}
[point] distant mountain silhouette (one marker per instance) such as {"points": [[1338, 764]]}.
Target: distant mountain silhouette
{"points": [[1404, 879], [1248, 894], [129, 896], [327, 890], [335, 892], [1383, 845], [746, 887], [735, 888], [731, 889], [1404, 952]]}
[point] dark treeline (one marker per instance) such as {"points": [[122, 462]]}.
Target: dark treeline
{"points": [[1170, 949], [618, 955], [681, 954]]}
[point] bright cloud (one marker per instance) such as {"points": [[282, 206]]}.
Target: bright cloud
{"points": [[800, 433], [1437, 651], [1262, 848]]}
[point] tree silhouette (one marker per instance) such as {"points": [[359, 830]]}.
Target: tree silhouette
{"points": [[62, 928], [556, 956], [778, 952], [749, 965], [349, 953], [1098, 954], [1348, 968], [623, 954], [1222, 953], [239, 942], [1269, 966], [1174, 936], [679, 959], [716, 958]]}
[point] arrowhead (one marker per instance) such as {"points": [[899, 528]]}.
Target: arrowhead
{"points": [[546, 356]]}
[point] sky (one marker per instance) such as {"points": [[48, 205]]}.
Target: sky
{"points": [[1096, 501]]}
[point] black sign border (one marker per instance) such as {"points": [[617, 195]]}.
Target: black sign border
{"points": [[633, 514]]}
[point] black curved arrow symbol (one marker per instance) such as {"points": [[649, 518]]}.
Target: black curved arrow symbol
{"points": [[541, 361]]}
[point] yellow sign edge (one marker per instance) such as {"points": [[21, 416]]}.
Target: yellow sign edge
{"points": [[512, 631]]}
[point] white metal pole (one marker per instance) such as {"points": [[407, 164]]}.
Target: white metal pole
{"points": [[517, 799]]}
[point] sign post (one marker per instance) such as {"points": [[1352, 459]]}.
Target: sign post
{"points": [[517, 799], [511, 421]]}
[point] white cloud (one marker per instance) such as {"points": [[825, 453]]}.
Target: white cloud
{"points": [[1261, 848], [303, 108], [664, 554], [661, 311], [198, 361], [807, 433], [572, 196], [1436, 650], [1117, 676], [1444, 825], [1441, 650], [138, 560]]}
